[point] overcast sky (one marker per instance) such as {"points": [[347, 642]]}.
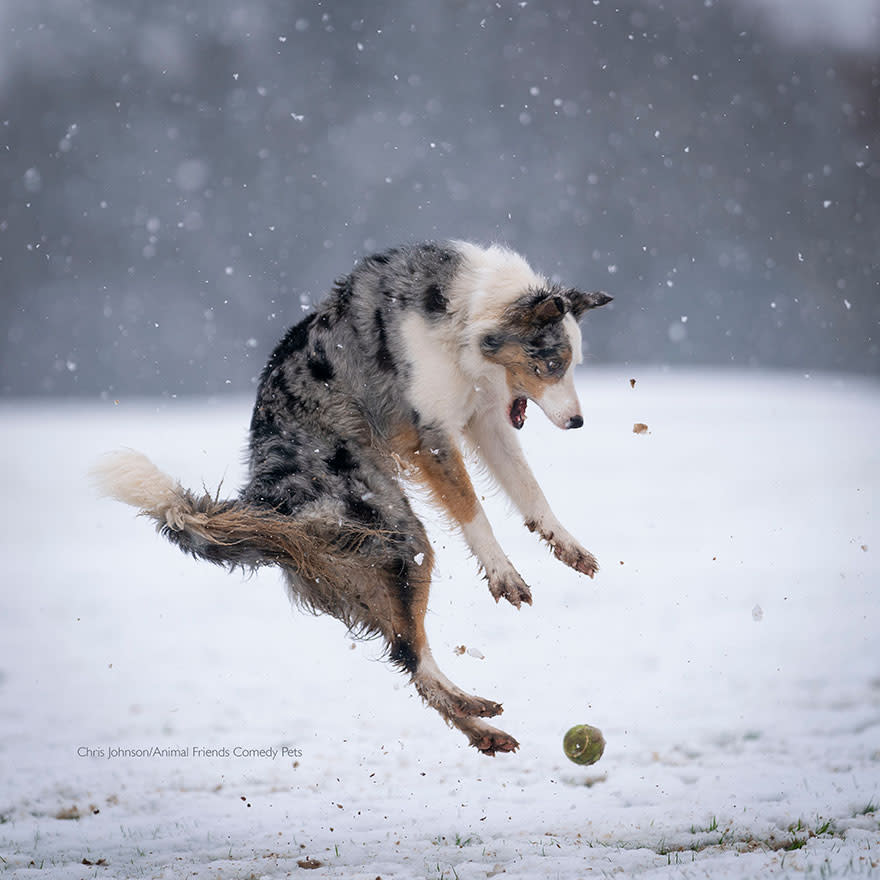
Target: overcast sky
{"points": [[181, 182]]}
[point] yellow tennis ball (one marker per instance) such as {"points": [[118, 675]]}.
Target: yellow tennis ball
{"points": [[583, 744]]}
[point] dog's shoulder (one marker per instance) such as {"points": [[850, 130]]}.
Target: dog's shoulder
{"points": [[400, 329], [415, 277]]}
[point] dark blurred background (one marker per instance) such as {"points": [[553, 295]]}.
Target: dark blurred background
{"points": [[181, 180]]}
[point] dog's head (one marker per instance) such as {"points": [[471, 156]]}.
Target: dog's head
{"points": [[538, 342]]}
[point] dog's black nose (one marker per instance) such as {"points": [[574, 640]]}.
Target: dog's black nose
{"points": [[575, 422]]}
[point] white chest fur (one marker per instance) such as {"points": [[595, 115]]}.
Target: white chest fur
{"points": [[438, 387]]}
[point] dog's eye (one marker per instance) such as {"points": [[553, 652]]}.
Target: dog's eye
{"points": [[537, 369], [553, 366]]}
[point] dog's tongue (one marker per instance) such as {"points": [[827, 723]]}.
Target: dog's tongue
{"points": [[518, 412]]}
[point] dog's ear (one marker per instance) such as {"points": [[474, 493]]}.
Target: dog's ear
{"points": [[579, 302], [550, 308], [491, 344], [534, 310]]}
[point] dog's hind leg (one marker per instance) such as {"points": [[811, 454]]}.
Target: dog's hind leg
{"points": [[447, 698], [380, 583], [396, 607], [407, 584], [460, 709], [484, 737]]}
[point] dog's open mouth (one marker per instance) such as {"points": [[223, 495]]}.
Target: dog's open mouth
{"points": [[518, 412]]}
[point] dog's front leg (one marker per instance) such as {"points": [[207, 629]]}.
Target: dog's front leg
{"points": [[442, 468], [496, 443]]}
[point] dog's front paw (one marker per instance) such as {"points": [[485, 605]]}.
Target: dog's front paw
{"points": [[511, 586], [566, 549], [574, 556]]}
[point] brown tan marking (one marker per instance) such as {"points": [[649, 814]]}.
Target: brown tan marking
{"points": [[522, 378], [442, 471]]}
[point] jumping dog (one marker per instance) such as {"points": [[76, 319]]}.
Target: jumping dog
{"points": [[420, 353]]}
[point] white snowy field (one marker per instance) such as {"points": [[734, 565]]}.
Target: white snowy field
{"points": [[729, 649]]}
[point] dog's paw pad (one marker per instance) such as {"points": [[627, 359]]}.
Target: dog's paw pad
{"points": [[470, 706], [495, 741], [577, 558], [512, 587]]}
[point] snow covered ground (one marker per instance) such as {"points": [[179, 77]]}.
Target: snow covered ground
{"points": [[729, 649]]}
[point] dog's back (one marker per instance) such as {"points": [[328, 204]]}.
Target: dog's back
{"points": [[335, 386]]}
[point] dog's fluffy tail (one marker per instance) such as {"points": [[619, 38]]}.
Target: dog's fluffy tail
{"points": [[227, 532], [130, 477]]}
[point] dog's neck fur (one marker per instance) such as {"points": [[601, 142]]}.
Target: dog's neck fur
{"points": [[489, 280], [449, 369]]}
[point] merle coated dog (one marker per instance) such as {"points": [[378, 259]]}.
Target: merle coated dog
{"points": [[420, 352]]}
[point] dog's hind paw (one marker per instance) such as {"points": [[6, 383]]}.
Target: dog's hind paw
{"points": [[449, 700], [470, 706], [493, 740], [510, 586], [485, 738]]}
